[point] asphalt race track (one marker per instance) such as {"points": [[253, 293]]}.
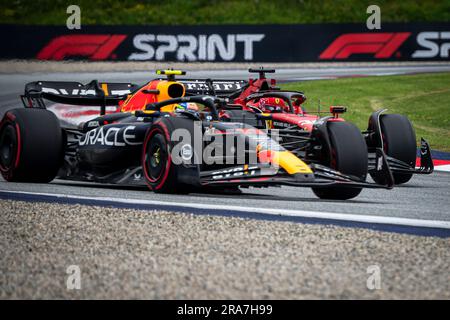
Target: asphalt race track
{"points": [[422, 203]]}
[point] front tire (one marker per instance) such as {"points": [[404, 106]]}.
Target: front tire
{"points": [[348, 155], [31, 146], [161, 173], [399, 142], [157, 164]]}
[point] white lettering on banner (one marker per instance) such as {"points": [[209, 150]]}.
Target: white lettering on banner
{"points": [[215, 42], [202, 47], [248, 40], [189, 47], [187, 53], [171, 46], [429, 41], [141, 42]]}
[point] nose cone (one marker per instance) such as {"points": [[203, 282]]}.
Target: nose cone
{"points": [[286, 160]]}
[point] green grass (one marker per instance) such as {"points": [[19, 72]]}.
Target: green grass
{"points": [[424, 98], [194, 12]]}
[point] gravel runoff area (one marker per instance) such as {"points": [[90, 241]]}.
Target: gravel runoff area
{"points": [[164, 255], [30, 66]]}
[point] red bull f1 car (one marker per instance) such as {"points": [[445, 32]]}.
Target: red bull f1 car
{"points": [[176, 136]]}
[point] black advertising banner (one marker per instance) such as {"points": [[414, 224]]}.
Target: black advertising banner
{"points": [[230, 43]]}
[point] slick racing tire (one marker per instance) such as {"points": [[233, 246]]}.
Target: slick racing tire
{"points": [[399, 142], [31, 145], [161, 173], [348, 155]]}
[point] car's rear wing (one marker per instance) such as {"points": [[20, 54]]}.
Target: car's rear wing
{"points": [[221, 88], [74, 93], [105, 94]]}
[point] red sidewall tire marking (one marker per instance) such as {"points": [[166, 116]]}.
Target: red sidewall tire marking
{"points": [[2, 169], [165, 132], [9, 119], [19, 146], [149, 136], [10, 116]]}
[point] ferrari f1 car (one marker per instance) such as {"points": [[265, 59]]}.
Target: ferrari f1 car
{"points": [[260, 103], [168, 136]]}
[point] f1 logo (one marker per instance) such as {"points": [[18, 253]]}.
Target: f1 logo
{"points": [[94, 46], [382, 45]]}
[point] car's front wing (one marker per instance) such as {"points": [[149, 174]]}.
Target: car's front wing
{"points": [[322, 176]]}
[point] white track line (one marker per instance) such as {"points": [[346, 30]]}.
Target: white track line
{"points": [[442, 168], [275, 212]]}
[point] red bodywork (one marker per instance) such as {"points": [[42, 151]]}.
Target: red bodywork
{"points": [[283, 116], [138, 100]]}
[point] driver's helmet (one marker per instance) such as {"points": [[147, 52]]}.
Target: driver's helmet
{"points": [[186, 106], [272, 105], [182, 106]]}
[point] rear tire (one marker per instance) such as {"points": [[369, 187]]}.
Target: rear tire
{"points": [[348, 155], [399, 142], [31, 145]]}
